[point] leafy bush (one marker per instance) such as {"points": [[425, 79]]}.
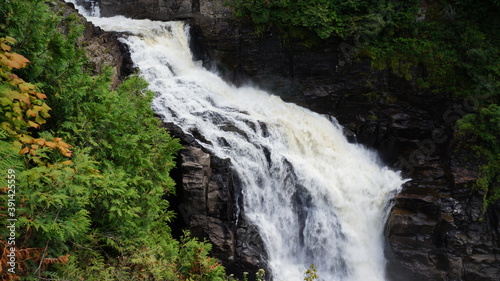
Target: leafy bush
{"points": [[320, 18], [90, 179]]}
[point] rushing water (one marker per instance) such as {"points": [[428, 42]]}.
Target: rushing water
{"points": [[315, 198]]}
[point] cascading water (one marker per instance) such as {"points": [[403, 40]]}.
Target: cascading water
{"points": [[315, 198], [88, 8]]}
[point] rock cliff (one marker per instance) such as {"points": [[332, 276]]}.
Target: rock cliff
{"points": [[103, 49], [208, 202], [438, 228]]}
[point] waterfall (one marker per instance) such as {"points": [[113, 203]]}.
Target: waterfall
{"points": [[314, 197], [88, 8]]}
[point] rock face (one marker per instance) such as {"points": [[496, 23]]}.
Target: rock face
{"points": [[437, 228], [151, 9], [104, 49], [207, 200]]}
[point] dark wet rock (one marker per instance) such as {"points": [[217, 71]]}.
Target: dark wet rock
{"points": [[103, 50], [207, 202], [151, 9]]}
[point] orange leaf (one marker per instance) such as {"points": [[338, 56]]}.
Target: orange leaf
{"points": [[24, 150], [66, 153], [26, 87], [22, 97], [5, 47], [50, 144], [64, 150], [35, 146], [40, 96], [40, 141], [12, 64], [31, 113], [17, 60], [12, 76]]}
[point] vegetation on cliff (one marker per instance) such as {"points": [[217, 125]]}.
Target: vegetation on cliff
{"points": [[85, 167], [450, 48]]}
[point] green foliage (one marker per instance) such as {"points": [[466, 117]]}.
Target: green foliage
{"points": [[45, 38], [259, 276], [134, 153], [485, 125], [90, 210], [194, 264], [311, 273], [319, 18]]}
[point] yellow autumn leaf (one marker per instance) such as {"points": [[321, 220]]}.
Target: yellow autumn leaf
{"points": [[40, 141], [44, 114], [5, 47], [17, 144], [26, 138], [12, 76], [21, 97], [16, 81], [3, 59], [40, 120], [26, 87], [50, 144], [67, 162], [10, 40], [31, 113], [33, 124], [16, 60], [66, 152]]}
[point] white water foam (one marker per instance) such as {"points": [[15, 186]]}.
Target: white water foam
{"points": [[315, 198]]}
